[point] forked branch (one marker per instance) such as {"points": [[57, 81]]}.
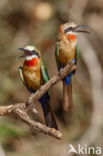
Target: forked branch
{"points": [[20, 109]]}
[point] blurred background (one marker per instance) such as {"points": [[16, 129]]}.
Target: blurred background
{"points": [[36, 22]]}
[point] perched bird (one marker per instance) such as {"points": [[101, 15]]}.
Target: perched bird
{"points": [[65, 52], [34, 75]]}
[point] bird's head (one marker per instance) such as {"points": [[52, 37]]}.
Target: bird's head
{"points": [[31, 55], [70, 30]]}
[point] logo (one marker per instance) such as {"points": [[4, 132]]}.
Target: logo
{"points": [[85, 149]]}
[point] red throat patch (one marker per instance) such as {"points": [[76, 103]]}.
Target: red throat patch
{"points": [[71, 36], [31, 62]]}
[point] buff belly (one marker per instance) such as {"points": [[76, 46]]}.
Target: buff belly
{"points": [[33, 77], [66, 53]]}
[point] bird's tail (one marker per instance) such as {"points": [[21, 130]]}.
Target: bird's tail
{"points": [[67, 94], [48, 114]]}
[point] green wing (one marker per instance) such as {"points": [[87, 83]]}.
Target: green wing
{"points": [[77, 54], [20, 70], [21, 74], [57, 54], [44, 72]]}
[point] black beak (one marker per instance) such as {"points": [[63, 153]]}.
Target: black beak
{"points": [[21, 49], [82, 26], [21, 56]]}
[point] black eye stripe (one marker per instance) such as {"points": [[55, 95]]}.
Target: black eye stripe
{"points": [[34, 52], [68, 29]]}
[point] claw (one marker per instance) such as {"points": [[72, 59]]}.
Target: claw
{"points": [[71, 61], [40, 87], [27, 103], [29, 100], [60, 71]]}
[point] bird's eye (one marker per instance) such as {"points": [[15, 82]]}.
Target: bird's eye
{"points": [[70, 28], [35, 53]]}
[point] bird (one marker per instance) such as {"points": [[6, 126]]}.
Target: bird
{"points": [[33, 74], [67, 51]]}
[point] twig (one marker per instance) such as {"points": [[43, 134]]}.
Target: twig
{"points": [[21, 108], [8, 110], [20, 111], [36, 125]]}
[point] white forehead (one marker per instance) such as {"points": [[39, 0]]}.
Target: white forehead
{"points": [[30, 48], [70, 24]]}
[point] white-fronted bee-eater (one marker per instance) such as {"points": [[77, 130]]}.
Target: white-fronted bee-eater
{"points": [[65, 52], [34, 75]]}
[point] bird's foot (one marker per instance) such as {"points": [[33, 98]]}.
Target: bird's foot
{"points": [[40, 88], [27, 104], [60, 71], [71, 61], [29, 100]]}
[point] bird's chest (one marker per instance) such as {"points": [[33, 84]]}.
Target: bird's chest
{"points": [[33, 76], [66, 52]]}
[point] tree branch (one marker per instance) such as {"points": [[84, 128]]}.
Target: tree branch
{"points": [[8, 110], [36, 125], [20, 109], [43, 89]]}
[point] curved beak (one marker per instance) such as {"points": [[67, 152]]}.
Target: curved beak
{"points": [[82, 26], [21, 49], [21, 56]]}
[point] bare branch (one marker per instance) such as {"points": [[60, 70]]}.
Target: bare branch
{"points": [[36, 125], [20, 109], [60, 75], [8, 110]]}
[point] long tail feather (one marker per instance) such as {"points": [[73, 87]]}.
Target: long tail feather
{"points": [[67, 96], [48, 114]]}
